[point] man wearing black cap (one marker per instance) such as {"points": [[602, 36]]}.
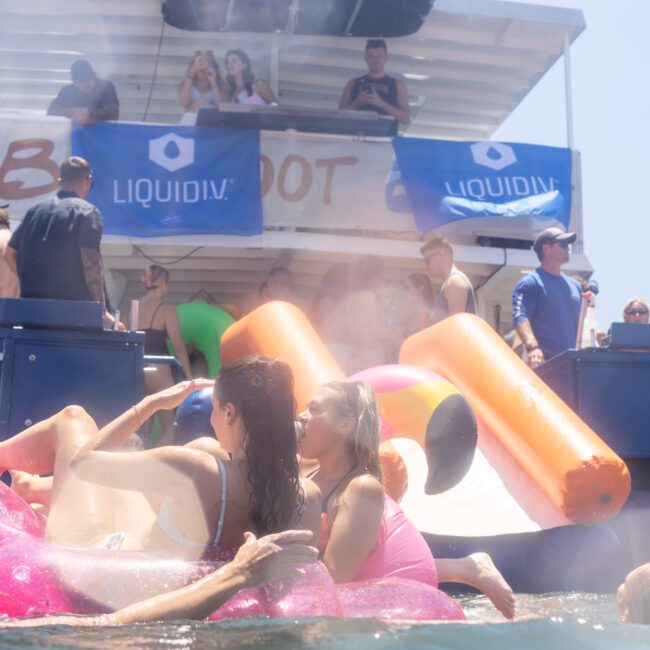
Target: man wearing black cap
{"points": [[546, 303], [87, 99]]}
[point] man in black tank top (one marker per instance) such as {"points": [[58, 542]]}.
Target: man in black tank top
{"points": [[376, 91]]}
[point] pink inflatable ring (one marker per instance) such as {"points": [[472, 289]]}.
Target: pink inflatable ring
{"points": [[39, 578]]}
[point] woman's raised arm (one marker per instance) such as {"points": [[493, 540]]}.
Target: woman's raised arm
{"points": [[118, 431]]}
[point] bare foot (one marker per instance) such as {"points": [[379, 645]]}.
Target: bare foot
{"points": [[488, 579], [31, 487]]}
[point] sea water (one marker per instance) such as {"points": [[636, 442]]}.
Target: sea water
{"points": [[570, 621]]}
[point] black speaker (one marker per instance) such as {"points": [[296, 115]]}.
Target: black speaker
{"points": [[390, 17], [369, 18], [195, 15]]}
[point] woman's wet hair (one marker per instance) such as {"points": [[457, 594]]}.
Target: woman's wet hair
{"points": [[261, 389], [357, 401], [421, 281], [248, 78]]}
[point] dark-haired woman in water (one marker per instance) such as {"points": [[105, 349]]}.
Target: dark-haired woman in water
{"points": [[175, 499], [244, 87]]}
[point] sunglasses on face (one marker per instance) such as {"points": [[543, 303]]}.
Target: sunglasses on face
{"points": [[563, 244], [636, 312]]}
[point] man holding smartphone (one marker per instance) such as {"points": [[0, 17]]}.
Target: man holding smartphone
{"points": [[376, 91]]}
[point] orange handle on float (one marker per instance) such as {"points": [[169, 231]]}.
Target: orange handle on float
{"points": [[280, 329], [572, 465]]}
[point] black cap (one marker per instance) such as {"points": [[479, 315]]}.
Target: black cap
{"points": [[4, 207], [81, 70], [550, 236]]}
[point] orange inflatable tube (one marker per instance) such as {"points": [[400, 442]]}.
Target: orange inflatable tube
{"points": [[578, 472], [280, 329]]}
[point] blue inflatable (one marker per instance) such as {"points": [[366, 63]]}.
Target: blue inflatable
{"points": [[193, 417]]}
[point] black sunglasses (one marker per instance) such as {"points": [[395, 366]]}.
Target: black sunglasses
{"points": [[636, 312]]}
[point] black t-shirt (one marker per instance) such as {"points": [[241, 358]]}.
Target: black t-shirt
{"points": [[48, 243], [102, 101], [385, 87]]}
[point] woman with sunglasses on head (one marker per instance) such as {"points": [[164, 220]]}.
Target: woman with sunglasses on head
{"points": [[243, 86], [175, 499], [364, 533], [635, 311]]}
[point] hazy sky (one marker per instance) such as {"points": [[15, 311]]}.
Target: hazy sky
{"points": [[611, 102]]}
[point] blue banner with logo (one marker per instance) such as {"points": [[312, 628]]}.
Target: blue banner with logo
{"points": [[154, 180], [448, 181]]}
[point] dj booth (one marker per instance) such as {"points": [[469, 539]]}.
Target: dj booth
{"points": [[55, 353], [609, 388], [307, 120]]}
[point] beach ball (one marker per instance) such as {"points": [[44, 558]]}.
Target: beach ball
{"points": [[419, 404], [193, 417]]}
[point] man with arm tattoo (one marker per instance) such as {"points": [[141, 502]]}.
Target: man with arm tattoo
{"points": [[55, 250], [94, 274]]}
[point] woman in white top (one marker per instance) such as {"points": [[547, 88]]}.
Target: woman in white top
{"points": [[244, 87]]}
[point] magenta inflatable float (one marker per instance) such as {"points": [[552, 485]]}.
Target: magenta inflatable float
{"points": [[38, 578]]}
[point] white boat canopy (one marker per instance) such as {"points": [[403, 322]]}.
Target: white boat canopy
{"points": [[466, 69]]}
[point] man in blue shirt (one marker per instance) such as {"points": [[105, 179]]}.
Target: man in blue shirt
{"points": [[546, 303]]}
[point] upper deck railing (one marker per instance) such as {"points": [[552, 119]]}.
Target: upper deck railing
{"points": [[466, 69]]}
